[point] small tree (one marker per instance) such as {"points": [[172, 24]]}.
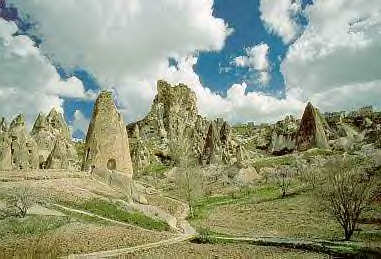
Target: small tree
{"points": [[19, 202], [346, 193], [283, 178], [189, 176], [311, 175], [190, 184]]}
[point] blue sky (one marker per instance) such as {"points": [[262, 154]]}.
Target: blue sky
{"points": [[254, 60]]}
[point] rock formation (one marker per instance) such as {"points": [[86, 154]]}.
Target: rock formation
{"points": [[52, 136], [107, 145], [3, 125], [63, 156], [5, 147], [174, 118], [140, 154], [284, 136], [24, 150], [212, 153], [311, 131]]}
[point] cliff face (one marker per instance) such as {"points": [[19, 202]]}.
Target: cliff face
{"points": [[107, 145]]}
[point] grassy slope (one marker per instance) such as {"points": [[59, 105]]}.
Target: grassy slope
{"points": [[112, 211], [264, 213]]}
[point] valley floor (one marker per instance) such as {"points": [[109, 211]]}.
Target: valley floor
{"points": [[259, 211]]}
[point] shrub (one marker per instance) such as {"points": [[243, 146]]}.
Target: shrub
{"points": [[18, 203], [347, 193]]}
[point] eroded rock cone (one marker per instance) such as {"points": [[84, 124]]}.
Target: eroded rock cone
{"points": [[5, 147], [311, 130], [47, 132], [106, 145], [24, 150], [63, 156]]}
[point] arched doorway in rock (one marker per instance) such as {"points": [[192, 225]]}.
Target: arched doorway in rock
{"points": [[111, 164]]}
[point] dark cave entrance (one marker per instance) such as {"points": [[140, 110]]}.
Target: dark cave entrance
{"points": [[111, 164]]}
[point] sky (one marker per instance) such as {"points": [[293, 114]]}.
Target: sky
{"points": [[252, 60]]}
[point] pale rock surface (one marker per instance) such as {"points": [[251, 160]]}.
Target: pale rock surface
{"points": [[107, 145]]}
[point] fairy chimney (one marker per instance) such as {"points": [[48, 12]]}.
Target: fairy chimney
{"points": [[107, 145]]}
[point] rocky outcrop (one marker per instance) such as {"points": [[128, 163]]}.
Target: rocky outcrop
{"points": [[5, 148], [284, 136], [140, 154], [3, 125], [63, 156], [212, 153], [107, 146], [174, 119], [311, 131], [52, 136], [24, 150]]}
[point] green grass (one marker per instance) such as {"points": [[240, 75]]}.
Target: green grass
{"points": [[296, 216], [31, 225], [112, 211], [156, 169], [242, 196], [289, 160]]}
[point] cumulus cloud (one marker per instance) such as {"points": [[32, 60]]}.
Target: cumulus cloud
{"points": [[238, 106], [278, 17], [256, 58], [29, 84], [124, 44], [80, 123], [336, 61]]}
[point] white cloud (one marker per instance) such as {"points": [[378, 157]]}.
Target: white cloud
{"points": [[278, 17], [256, 58], [125, 44], [336, 61], [238, 106], [80, 122], [29, 84]]}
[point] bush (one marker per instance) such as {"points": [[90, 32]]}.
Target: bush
{"points": [[18, 203], [347, 193], [283, 177]]}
